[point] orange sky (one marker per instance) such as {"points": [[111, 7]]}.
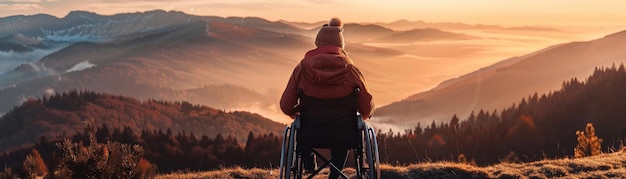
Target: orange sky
{"points": [[503, 12]]}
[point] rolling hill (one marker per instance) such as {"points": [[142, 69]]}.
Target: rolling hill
{"points": [[62, 115], [420, 35], [156, 54], [408, 25], [169, 55], [160, 55], [497, 86]]}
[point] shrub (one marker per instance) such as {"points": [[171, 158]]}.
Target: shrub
{"points": [[511, 158], [97, 160], [7, 173], [34, 165], [588, 143], [462, 159], [146, 169]]}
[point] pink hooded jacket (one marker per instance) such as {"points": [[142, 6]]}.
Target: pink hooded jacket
{"points": [[326, 73]]}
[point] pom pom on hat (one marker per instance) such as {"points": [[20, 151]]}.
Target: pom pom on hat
{"points": [[335, 22], [331, 34]]}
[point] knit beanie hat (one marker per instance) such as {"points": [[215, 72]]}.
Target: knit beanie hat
{"points": [[330, 34]]}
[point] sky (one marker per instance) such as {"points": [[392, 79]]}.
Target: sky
{"points": [[500, 12]]}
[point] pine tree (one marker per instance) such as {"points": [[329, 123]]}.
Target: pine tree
{"points": [[102, 160], [34, 165], [588, 143]]}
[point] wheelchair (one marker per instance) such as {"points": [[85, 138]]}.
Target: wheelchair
{"points": [[327, 124]]}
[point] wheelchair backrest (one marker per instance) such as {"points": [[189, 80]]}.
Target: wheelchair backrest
{"points": [[329, 123]]}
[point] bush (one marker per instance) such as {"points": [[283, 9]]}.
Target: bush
{"points": [[511, 158], [588, 143], [97, 160], [7, 173], [34, 165]]}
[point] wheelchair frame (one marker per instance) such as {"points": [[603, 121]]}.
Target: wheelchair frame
{"points": [[291, 163]]}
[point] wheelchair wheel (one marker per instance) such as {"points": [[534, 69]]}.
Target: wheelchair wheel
{"points": [[288, 158], [371, 154]]}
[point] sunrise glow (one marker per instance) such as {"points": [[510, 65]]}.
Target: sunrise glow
{"points": [[532, 12]]}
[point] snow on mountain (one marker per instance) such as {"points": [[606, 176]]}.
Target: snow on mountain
{"points": [[81, 26], [27, 39], [27, 25], [89, 27]]}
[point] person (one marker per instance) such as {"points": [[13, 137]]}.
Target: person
{"points": [[327, 72]]}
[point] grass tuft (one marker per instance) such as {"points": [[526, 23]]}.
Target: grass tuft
{"points": [[600, 166]]}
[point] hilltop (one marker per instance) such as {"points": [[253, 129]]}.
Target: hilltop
{"points": [[62, 114], [609, 165]]}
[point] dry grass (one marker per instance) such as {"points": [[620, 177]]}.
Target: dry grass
{"points": [[601, 166], [611, 165], [239, 173], [228, 173]]}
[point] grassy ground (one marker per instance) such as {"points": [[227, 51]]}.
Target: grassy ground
{"points": [[611, 165]]}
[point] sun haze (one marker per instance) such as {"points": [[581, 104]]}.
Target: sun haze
{"points": [[507, 12]]}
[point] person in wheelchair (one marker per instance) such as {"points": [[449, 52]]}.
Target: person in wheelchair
{"points": [[325, 73]]}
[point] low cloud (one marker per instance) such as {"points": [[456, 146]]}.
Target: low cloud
{"points": [[25, 1], [19, 7], [324, 1], [49, 91], [81, 66], [12, 59], [383, 124], [271, 112]]}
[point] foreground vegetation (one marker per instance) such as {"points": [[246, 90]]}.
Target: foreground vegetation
{"points": [[612, 165], [513, 143]]}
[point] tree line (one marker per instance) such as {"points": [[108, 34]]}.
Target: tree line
{"points": [[168, 151], [538, 127]]}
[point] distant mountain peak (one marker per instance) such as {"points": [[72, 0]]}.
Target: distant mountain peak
{"points": [[401, 21], [79, 13], [404, 21]]}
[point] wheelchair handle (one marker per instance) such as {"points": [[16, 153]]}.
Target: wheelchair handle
{"points": [[360, 122], [296, 123]]}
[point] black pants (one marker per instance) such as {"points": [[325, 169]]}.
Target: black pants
{"points": [[338, 158]]}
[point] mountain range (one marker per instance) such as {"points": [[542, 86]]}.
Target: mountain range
{"points": [[242, 63], [223, 62], [156, 54]]}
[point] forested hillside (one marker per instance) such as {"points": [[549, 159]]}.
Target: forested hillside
{"points": [[62, 114], [167, 150], [538, 127]]}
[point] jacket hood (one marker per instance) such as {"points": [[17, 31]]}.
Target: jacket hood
{"points": [[326, 65]]}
